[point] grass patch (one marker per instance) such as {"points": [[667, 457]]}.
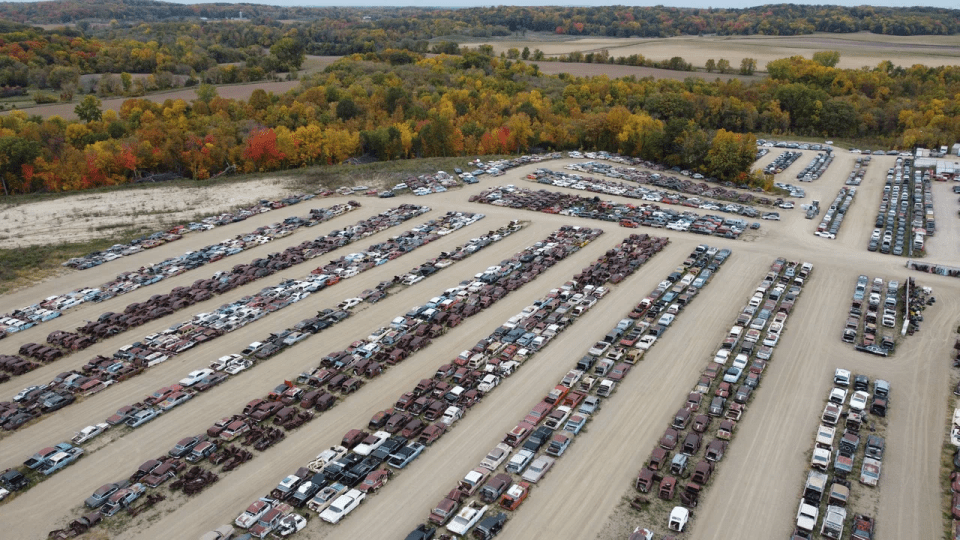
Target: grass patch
{"points": [[382, 173], [23, 266]]}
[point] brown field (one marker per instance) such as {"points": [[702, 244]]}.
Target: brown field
{"points": [[754, 492], [856, 50], [582, 69]]}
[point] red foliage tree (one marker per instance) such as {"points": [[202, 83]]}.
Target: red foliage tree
{"points": [[261, 151]]}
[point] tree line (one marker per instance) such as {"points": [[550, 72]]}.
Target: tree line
{"points": [[613, 21], [398, 105]]}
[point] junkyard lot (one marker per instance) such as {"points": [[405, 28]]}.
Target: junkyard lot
{"points": [[763, 466]]}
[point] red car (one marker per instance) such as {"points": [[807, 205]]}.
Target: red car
{"points": [[353, 438], [515, 496], [669, 439], [374, 481], [432, 433], [162, 394]]}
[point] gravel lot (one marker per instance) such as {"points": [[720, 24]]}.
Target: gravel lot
{"points": [[755, 491]]}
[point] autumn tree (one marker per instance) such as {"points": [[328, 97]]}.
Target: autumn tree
{"points": [[827, 58], [16, 154], [89, 109], [206, 93], [289, 52], [711, 65], [198, 155], [347, 109], [723, 65], [261, 152], [640, 136], [748, 66], [730, 154]]}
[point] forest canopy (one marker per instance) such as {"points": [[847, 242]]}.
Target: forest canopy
{"points": [[398, 104], [611, 21], [389, 99]]}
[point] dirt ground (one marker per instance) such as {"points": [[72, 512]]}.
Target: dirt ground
{"points": [[87, 216], [856, 50], [755, 491]]}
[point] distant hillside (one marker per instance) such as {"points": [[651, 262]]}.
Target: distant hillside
{"points": [[610, 21]]}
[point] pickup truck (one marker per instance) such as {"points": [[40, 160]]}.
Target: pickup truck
{"points": [[833, 522], [466, 518], [821, 458], [843, 463], [473, 480], [807, 516], [42, 457], [870, 472]]}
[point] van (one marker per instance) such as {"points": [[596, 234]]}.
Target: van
{"points": [[477, 361]]}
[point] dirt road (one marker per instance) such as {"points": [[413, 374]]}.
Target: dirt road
{"points": [[755, 491]]}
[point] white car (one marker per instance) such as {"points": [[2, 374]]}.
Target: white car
{"points": [[194, 377], [646, 342], [858, 401], [89, 433], [237, 365], [722, 356], [220, 363], [342, 506], [252, 348], [466, 518], [678, 518], [741, 361], [253, 513], [451, 415], [291, 523], [666, 319], [349, 303], [537, 469], [488, 383], [496, 456], [771, 339], [376, 440], [599, 348]]}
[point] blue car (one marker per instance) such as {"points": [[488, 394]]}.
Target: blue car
{"points": [[402, 457]]}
